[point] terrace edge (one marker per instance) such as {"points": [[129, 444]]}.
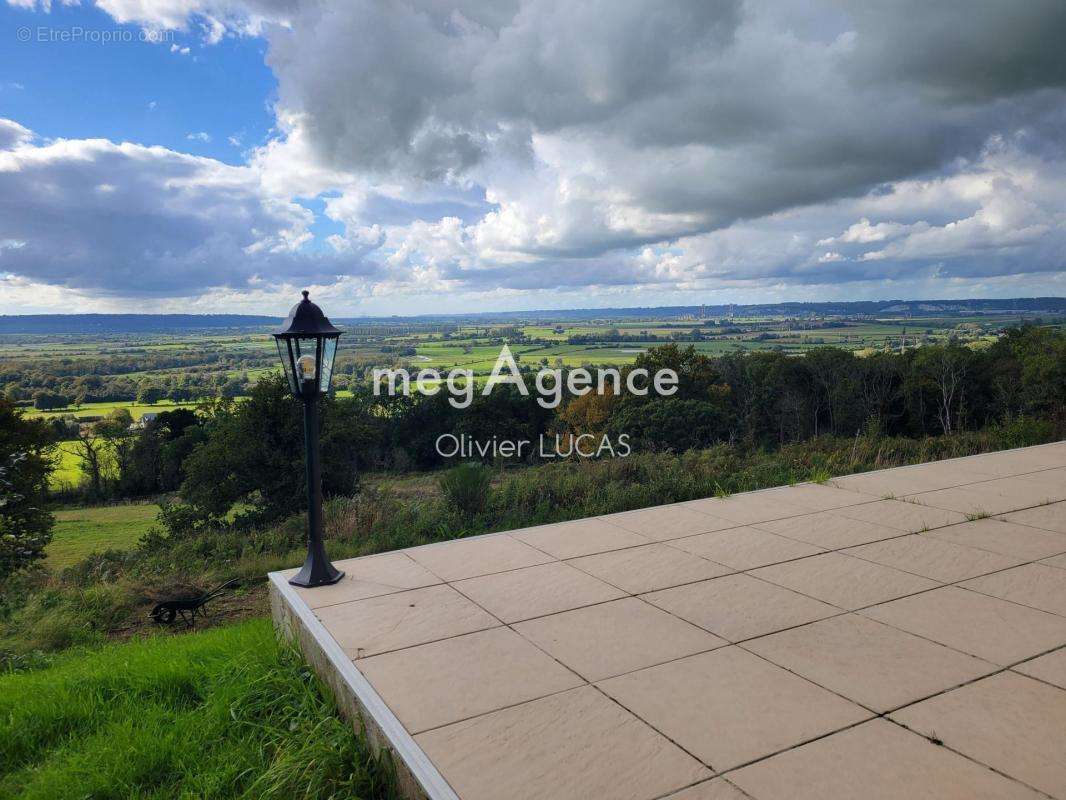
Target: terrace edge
{"points": [[356, 699]]}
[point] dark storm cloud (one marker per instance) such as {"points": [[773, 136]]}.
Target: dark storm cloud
{"points": [[708, 110]]}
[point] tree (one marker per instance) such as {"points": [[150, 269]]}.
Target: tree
{"points": [[49, 400], [25, 467], [879, 379], [90, 453], [149, 394], [944, 368], [253, 452]]}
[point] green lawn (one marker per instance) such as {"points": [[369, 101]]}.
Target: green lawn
{"points": [[81, 531], [137, 410], [225, 713]]}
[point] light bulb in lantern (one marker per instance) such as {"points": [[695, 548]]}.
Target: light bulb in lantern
{"points": [[305, 368]]}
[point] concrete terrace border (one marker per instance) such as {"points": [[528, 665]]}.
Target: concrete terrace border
{"points": [[355, 697], [359, 702]]}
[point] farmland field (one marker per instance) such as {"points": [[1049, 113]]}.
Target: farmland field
{"points": [[91, 375], [137, 410], [81, 531]]}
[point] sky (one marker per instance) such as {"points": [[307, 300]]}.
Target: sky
{"points": [[427, 156]]}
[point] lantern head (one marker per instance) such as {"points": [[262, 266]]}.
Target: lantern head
{"points": [[307, 346]]}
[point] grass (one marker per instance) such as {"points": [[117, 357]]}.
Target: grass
{"points": [[137, 410], [67, 473], [226, 713], [81, 531]]}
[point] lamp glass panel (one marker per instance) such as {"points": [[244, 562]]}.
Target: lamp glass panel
{"points": [[329, 351], [306, 350], [286, 362]]}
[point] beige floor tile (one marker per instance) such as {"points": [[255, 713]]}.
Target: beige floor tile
{"points": [[645, 569], [934, 558], [1004, 537], [1050, 667], [668, 522], [987, 627], [1055, 561], [443, 682], [873, 664], [875, 761], [579, 538], [844, 581], [1051, 517], [819, 496], [379, 624], [968, 500], [829, 530], [738, 607], [1019, 462], [881, 484], [613, 638], [1012, 723], [908, 480], [468, 558], [745, 548], [748, 508], [536, 591], [368, 577], [1035, 585], [1038, 489], [906, 517], [717, 789], [1053, 479], [728, 707], [571, 746]]}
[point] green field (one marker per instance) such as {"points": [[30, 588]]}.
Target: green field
{"points": [[81, 531], [67, 473], [225, 713], [203, 363], [137, 410]]}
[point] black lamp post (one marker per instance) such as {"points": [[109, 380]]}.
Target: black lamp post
{"points": [[307, 344]]}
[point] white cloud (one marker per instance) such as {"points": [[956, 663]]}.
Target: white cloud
{"points": [[124, 219], [508, 148], [199, 136], [13, 135]]}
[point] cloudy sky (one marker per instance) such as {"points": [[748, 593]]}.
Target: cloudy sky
{"points": [[413, 156]]}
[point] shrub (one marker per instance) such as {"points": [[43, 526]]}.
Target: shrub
{"points": [[466, 487]]}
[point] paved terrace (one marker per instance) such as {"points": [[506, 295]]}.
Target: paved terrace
{"points": [[894, 634]]}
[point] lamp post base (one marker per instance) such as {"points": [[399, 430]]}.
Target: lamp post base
{"points": [[308, 577]]}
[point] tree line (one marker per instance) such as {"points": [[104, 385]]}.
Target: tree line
{"points": [[251, 452], [248, 454]]}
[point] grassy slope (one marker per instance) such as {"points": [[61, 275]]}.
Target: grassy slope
{"points": [[225, 713], [81, 531]]}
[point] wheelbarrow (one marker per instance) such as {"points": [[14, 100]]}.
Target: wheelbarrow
{"points": [[166, 611]]}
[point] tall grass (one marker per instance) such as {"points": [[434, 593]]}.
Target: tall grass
{"points": [[226, 713], [109, 591]]}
